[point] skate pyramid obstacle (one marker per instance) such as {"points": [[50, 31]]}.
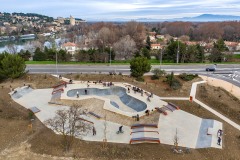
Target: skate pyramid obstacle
{"points": [[170, 107], [144, 133]]}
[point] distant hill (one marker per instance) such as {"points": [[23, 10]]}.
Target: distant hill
{"points": [[209, 18], [200, 18]]}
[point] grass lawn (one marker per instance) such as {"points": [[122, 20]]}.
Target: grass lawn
{"points": [[127, 62]]}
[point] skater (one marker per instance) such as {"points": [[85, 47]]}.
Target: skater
{"points": [[128, 90], [85, 91], [152, 95], [149, 98], [120, 129], [137, 117], [147, 112], [141, 92], [94, 131], [219, 141], [220, 132], [77, 94]]}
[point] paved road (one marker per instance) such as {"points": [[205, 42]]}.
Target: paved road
{"points": [[228, 72]]}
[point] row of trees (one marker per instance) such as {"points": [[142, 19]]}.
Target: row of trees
{"points": [[194, 53], [228, 30], [50, 55]]}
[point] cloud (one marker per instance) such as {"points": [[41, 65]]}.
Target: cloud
{"points": [[129, 9]]}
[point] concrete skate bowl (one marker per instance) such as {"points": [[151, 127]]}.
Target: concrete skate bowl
{"points": [[19, 92], [116, 95]]}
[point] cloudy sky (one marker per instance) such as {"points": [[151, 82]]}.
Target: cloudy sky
{"points": [[127, 9]]}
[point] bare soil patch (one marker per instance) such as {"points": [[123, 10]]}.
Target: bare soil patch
{"points": [[44, 143], [220, 100]]}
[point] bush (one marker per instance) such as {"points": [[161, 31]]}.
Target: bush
{"points": [[173, 82], [157, 73], [187, 77], [77, 76], [30, 115], [140, 79]]}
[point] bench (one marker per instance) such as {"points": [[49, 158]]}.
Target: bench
{"points": [[169, 108], [59, 90], [145, 140], [144, 131], [95, 115], [175, 106], [144, 125], [55, 103], [160, 110], [60, 84]]}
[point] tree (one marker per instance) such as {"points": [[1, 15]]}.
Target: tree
{"points": [[137, 32], [69, 123], [12, 66], [25, 54], [146, 53], [124, 48], [148, 43], [39, 55], [172, 49], [220, 45], [139, 66], [216, 55], [82, 56]]}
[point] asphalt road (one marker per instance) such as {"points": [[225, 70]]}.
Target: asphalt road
{"points": [[228, 72]]}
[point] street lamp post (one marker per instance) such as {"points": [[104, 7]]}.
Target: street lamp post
{"points": [[110, 57], [56, 64], [178, 53], [161, 58]]}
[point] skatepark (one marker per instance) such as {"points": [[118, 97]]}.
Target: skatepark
{"points": [[120, 100]]}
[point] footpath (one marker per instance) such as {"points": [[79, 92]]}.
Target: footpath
{"points": [[217, 83]]}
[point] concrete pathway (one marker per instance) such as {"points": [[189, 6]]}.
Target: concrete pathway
{"points": [[175, 98], [193, 94]]}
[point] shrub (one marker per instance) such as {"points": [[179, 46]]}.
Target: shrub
{"points": [[30, 115], [77, 76], [140, 79], [173, 82], [157, 73], [187, 77]]}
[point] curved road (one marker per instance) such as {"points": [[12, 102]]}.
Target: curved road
{"points": [[228, 72]]}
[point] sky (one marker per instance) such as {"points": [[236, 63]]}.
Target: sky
{"points": [[122, 9]]}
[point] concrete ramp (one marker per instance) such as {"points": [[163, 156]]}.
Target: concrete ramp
{"points": [[19, 92]]}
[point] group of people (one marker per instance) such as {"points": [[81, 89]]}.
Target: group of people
{"points": [[85, 91], [219, 134], [120, 130], [107, 84]]}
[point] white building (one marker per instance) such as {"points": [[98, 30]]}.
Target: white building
{"points": [[70, 47], [155, 46]]}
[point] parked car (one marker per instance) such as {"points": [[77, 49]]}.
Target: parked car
{"points": [[211, 68]]}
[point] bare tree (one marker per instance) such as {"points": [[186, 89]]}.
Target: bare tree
{"points": [[12, 48], [69, 124], [137, 32], [124, 48], [103, 37], [31, 46]]}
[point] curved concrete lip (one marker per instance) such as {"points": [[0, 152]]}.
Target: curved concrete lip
{"points": [[117, 95]]}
